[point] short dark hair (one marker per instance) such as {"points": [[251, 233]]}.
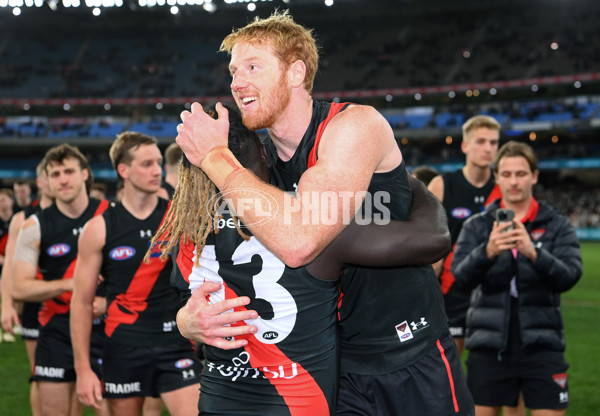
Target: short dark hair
{"points": [[513, 149]]}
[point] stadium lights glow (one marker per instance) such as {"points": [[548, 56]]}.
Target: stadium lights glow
{"points": [[251, 7], [16, 11], [328, 2], [174, 10]]}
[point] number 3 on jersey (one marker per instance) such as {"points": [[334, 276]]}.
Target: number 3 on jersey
{"points": [[265, 284]]}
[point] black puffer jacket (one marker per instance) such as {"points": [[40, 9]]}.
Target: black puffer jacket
{"points": [[556, 270]]}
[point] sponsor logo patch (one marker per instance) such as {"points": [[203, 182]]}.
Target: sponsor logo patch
{"points": [[58, 249], [461, 212], [403, 330], [122, 253]]}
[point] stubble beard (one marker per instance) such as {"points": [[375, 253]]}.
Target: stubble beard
{"points": [[274, 105]]}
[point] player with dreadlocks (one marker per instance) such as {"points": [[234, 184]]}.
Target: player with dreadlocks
{"points": [[290, 365]]}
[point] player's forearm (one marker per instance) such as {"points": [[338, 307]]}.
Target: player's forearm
{"points": [[295, 230], [81, 330], [35, 290]]}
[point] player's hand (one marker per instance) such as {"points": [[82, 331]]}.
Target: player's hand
{"points": [[10, 317], [523, 241], [500, 239], [98, 306], [209, 323], [200, 133], [89, 390]]}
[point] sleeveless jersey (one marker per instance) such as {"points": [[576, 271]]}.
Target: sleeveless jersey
{"points": [[290, 363], [58, 251], [388, 318], [142, 305], [4, 225], [461, 200]]}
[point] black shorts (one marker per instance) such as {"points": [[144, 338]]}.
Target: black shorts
{"points": [[54, 352], [457, 301], [133, 371], [498, 383], [30, 325], [434, 385]]}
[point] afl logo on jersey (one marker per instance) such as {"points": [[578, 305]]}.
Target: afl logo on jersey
{"points": [[122, 253], [270, 335], [184, 363], [58, 249], [461, 213]]}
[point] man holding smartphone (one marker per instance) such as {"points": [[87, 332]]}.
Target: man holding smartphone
{"points": [[514, 324]]}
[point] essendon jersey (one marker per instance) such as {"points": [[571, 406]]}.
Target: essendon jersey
{"points": [[58, 251], [461, 200], [142, 305], [290, 363], [388, 317]]}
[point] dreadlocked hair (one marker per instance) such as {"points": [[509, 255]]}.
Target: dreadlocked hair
{"points": [[185, 219]]}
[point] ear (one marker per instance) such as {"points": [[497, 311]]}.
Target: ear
{"points": [[121, 169], [297, 73], [86, 174], [535, 177], [463, 145]]}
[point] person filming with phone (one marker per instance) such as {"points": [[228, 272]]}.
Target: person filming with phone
{"points": [[518, 255]]}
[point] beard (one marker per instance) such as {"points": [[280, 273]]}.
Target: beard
{"points": [[271, 107]]}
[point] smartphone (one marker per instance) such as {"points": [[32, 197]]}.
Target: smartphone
{"points": [[505, 215]]}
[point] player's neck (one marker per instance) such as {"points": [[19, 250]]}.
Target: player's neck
{"points": [[476, 175], [140, 204], [45, 202], [76, 207], [289, 128]]}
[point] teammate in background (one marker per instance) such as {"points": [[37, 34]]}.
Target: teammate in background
{"points": [[518, 269], [172, 157], [393, 327], [22, 190], [425, 173], [29, 311], [463, 193], [297, 307], [49, 239], [144, 355], [6, 213]]}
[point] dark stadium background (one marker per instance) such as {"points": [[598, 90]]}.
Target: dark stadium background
{"points": [[427, 65]]}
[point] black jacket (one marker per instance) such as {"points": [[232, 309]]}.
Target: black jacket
{"points": [[556, 270]]}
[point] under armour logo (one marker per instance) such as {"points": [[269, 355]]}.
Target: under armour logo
{"points": [[422, 323], [145, 233], [77, 231], [295, 187], [563, 397], [188, 374], [479, 199]]}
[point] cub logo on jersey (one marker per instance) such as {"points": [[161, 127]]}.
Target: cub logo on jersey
{"points": [[122, 253], [58, 249], [461, 212]]}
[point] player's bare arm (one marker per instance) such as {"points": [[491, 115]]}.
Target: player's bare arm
{"points": [[25, 286], [85, 282], [10, 317], [358, 142]]}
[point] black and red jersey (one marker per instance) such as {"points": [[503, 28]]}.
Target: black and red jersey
{"points": [[142, 305], [58, 251], [461, 200], [388, 318], [290, 363]]}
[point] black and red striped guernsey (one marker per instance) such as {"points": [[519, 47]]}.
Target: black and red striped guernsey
{"points": [[289, 366], [142, 305], [388, 318], [58, 251]]}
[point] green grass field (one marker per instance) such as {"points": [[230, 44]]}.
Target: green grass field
{"points": [[581, 311]]}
